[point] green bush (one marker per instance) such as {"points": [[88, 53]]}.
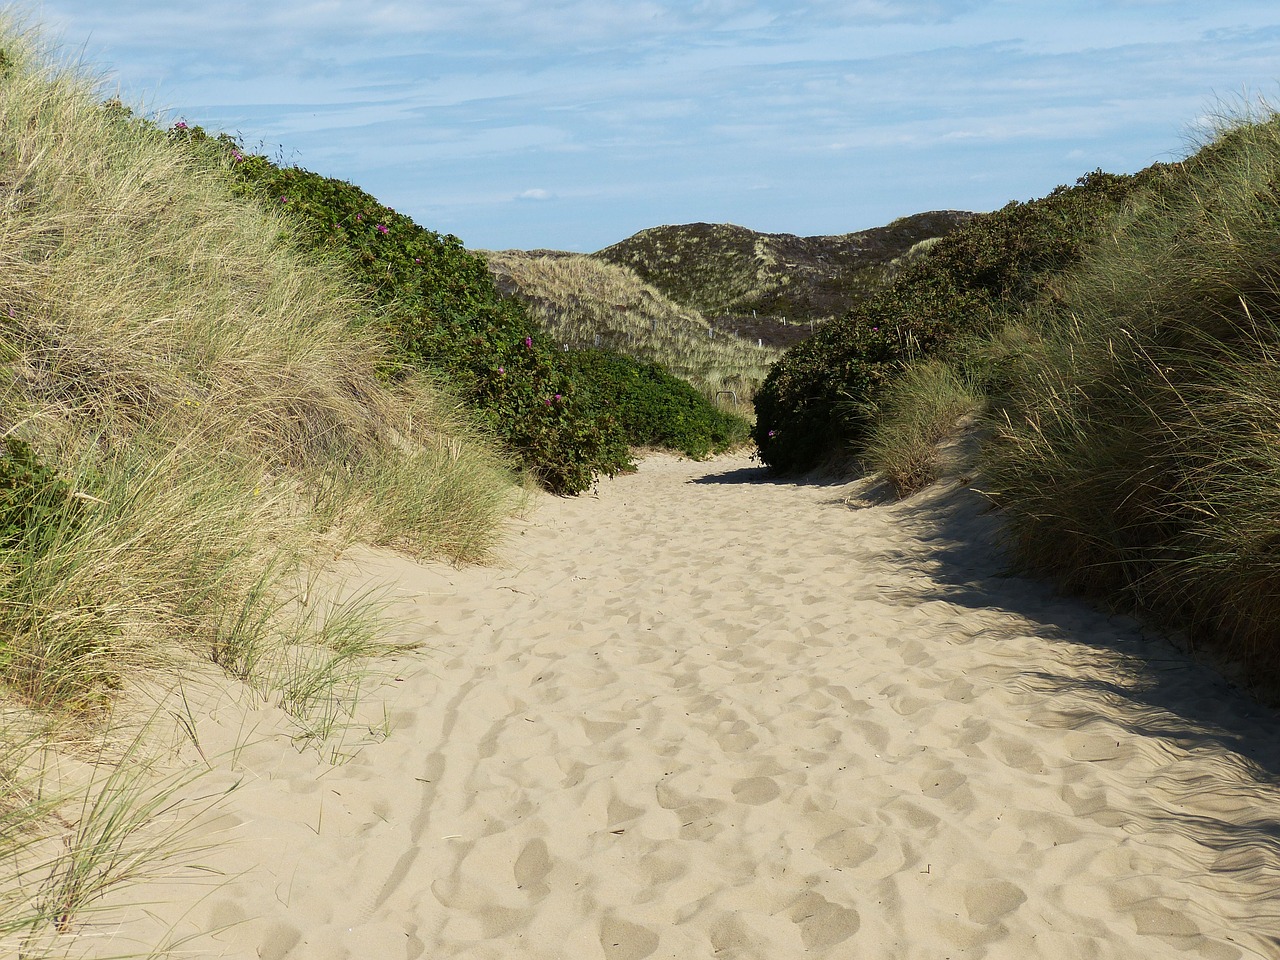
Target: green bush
{"points": [[654, 407], [819, 398]]}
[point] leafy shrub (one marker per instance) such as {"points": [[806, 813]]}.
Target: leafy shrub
{"points": [[654, 407], [820, 396]]}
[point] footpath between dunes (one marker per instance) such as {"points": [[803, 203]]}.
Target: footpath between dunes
{"points": [[703, 714]]}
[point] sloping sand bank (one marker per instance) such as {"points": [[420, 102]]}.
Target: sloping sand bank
{"points": [[701, 714]]}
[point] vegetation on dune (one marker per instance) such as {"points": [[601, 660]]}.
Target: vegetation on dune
{"points": [[585, 302], [771, 286], [820, 398], [178, 382], [1118, 341], [656, 408], [443, 312], [1136, 447], [917, 412]]}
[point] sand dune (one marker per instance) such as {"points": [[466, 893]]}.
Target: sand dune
{"points": [[701, 714]]}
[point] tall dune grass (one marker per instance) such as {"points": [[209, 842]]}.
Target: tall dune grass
{"points": [[210, 395], [927, 404], [1138, 450]]}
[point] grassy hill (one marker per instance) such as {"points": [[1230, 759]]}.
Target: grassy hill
{"points": [[585, 302], [729, 273]]}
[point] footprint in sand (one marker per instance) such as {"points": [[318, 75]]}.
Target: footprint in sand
{"points": [[279, 941], [990, 900], [737, 739], [756, 790], [843, 850], [622, 940], [822, 923], [531, 869]]}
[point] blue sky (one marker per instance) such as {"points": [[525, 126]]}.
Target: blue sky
{"points": [[571, 124]]}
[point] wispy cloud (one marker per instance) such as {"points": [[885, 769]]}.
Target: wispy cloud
{"points": [[821, 116]]}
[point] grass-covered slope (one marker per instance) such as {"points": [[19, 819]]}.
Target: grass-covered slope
{"points": [[1136, 449], [191, 408], [819, 399], [586, 302], [729, 272]]}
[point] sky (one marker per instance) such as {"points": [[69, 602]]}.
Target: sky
{"points": [[573, 124]]}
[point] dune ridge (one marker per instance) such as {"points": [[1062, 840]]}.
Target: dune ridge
{"points": [[702, 713]]}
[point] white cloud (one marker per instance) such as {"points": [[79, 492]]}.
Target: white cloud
{"points": [[651, 107]]}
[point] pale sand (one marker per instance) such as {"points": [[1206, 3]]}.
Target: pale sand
{"points": [[704, 715]]}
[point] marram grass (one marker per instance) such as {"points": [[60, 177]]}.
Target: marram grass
{"points": [[927, 404], [211, 395], [1137, 451]]}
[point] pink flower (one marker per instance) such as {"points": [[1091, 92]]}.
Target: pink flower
{"points": [[502, 371], [180, 125], [359, 217], [528, 342], [237, 155], [557, 398], [382, 228]]}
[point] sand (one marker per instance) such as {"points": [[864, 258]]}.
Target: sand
{"points": [[702, 714]]}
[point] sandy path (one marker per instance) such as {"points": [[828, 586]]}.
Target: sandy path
{"points": [[705, 715]]}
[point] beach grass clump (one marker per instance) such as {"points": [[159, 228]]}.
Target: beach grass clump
{"points": [[928, 403], [1136, 449], [195, 408]]}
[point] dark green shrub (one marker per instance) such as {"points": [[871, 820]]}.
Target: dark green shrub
{"points": [[817, 399], [654, 407]]}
